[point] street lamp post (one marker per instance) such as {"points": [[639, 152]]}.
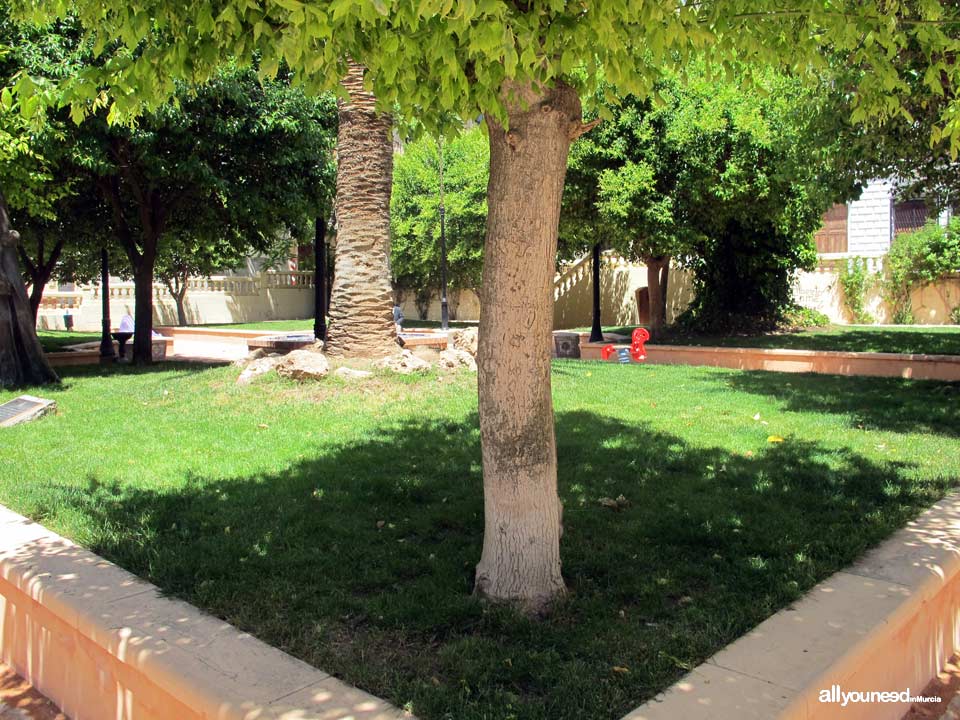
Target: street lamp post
{"points": [[107, 354], [444, 311], [320, 280]]}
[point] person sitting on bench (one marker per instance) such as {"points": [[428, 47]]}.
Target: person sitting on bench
{"points": [[123, 334]]}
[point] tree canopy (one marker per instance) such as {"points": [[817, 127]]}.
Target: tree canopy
{"points": [[437, 57]]}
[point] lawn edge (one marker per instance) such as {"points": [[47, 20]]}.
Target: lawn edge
{"points": [[887, 623], [100, 642], [826, 362]]}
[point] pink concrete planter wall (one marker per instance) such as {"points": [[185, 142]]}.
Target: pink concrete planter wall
{"points": [[162, 347], [104, 645], [918, 367], [886, 624]]}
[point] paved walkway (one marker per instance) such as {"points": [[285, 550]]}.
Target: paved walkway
{"points": [[19, 701], [207, 351]]}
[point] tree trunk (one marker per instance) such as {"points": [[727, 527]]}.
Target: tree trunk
{"points": [[22, 361], [143, 311], [40, 271], [657, 292], [522, 511], [596, 331], [181, 310], [664, 287], [320, 279], [361, 313], [37, 283]]}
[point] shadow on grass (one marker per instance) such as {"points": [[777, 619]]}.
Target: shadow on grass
{"points": [[907, 340], [121, 370], [871, 403], [360, 560]]}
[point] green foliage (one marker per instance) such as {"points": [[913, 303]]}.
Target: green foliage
{"points": [[765, 169], [414, 211], [855, 280], [629, 182], [800, 317], [955, 315], [435, 58], [917, 259]]}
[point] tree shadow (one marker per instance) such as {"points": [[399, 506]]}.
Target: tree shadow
{"points": [[871, 403], [360, 559], [907, 340]]}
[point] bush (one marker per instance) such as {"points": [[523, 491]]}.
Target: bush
{"points": [[855, 280], [917, 259], [799, 318], [743, 279]]}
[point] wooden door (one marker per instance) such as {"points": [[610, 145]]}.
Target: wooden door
{"points": [[832, 237]]}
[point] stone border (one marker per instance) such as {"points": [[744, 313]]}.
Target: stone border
{"points": [[887, 623], [225, 335], [917, 367], [162, 348], [101, 643]]}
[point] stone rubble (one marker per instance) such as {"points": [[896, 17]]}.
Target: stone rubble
{"points": [[303, 365], [466, 339], [259, 366], [456, 358], [405, 362]]}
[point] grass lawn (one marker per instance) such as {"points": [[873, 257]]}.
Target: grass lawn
{"points": [[57, 340], [289, 325], [929, 339], [342, 523]]}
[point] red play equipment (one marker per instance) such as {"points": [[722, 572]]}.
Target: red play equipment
{"points": [[636, 351]]}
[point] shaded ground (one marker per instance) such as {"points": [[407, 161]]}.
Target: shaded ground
{"points": [[342, 522], [945, 686], [20, 701]]}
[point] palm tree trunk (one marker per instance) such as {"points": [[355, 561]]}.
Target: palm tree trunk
{"points": [[361, 312], [22, 361]]}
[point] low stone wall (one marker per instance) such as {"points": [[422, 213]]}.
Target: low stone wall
{"points": [[820, 290], [162, 348], [886, 624], [219, 300], [101, 643], [917, 367]]}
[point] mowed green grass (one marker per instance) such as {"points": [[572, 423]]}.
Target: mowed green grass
{"points": [[58, 340], [342, 522], [926, 339]]}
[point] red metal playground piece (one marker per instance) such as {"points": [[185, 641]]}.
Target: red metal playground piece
{"points": [[637, 352]]}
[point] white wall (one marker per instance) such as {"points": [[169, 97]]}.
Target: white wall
{"points": [[870, 219]]}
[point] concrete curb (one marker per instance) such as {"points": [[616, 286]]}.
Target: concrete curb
{"points": [[888, 623], [917, 367], [101, 643]]}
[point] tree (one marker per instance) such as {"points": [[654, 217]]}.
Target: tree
{"points": [[361, 303], [66, 246], [22, 361], [765, 165], [414, 211], [628, 179], [216, 179], [511, 62]]}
